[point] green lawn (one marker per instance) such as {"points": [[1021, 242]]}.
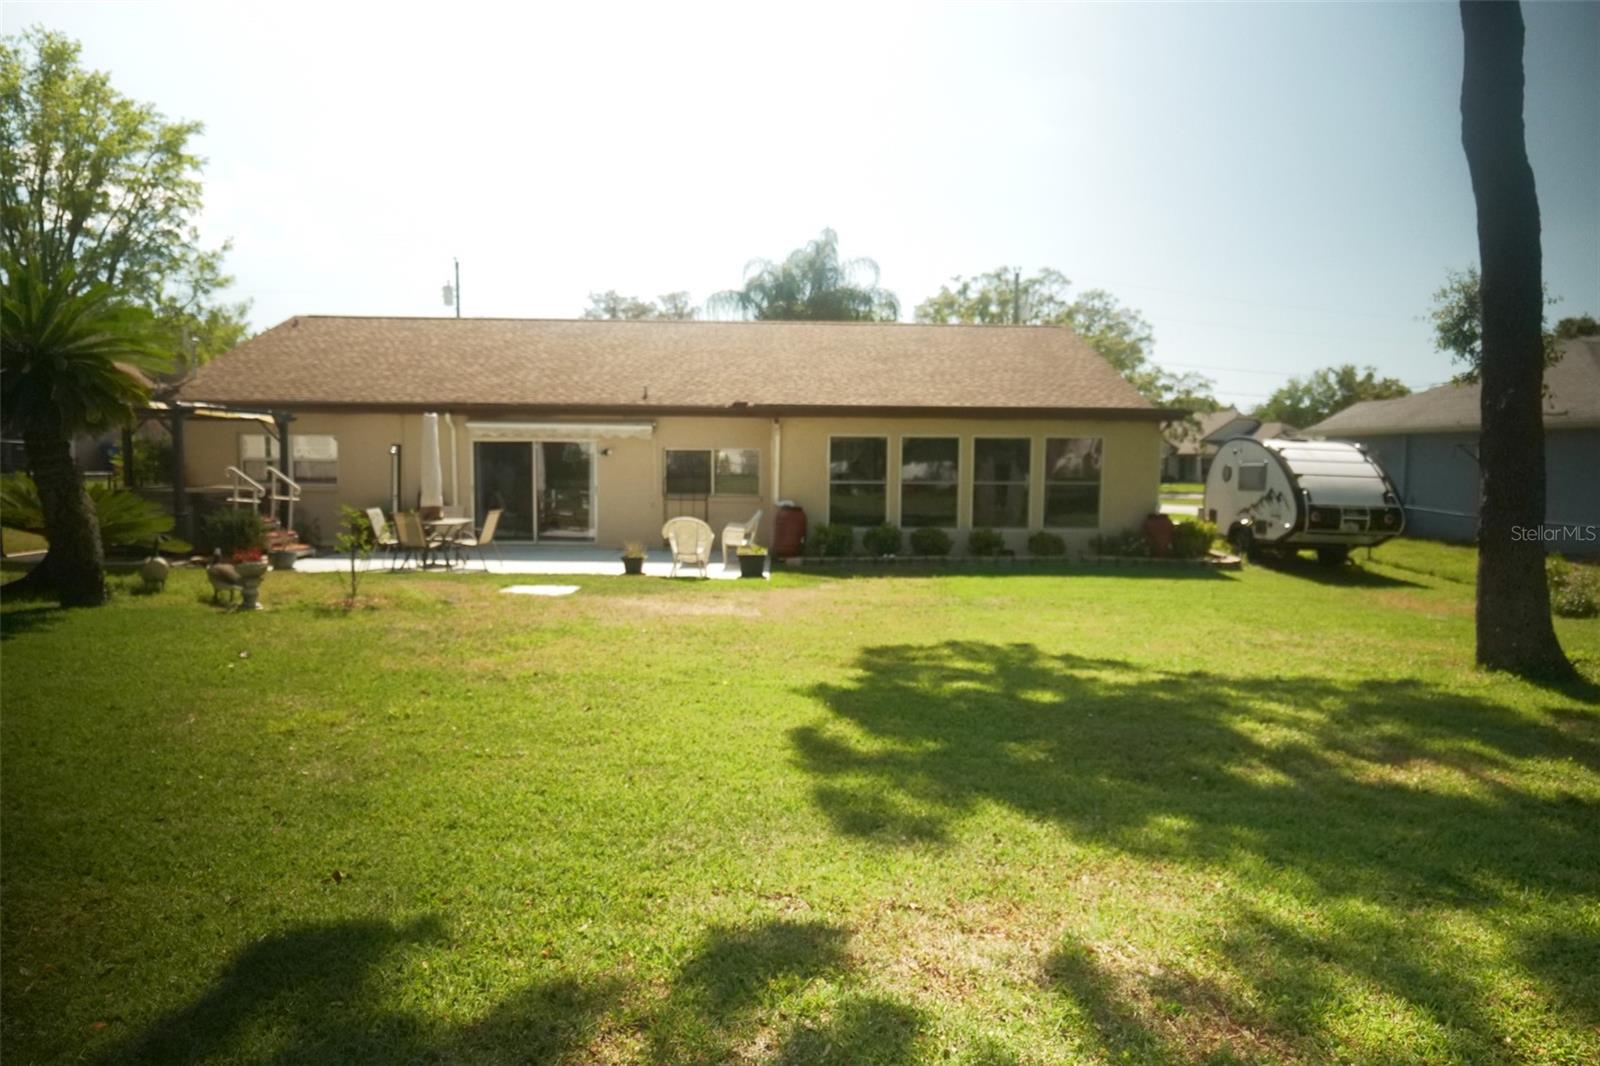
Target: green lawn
{"points": [[1183, 488], [1269, 816]]}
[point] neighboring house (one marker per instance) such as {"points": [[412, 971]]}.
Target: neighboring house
{"points": [[596, 431], [1190, 445], [1428, 443]]}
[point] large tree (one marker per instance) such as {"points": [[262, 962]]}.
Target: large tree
{"points": [[1513, 612], [1006, 297], [71, 359], [1303, 402], [107, 188], [811, 284], [612, 306], [1458, 322]]}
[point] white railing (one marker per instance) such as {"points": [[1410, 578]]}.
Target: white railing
{"points": [[285, 489], [245, 489]]}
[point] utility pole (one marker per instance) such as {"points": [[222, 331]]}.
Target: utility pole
{"points": [[1016, 297], [458, 287]]}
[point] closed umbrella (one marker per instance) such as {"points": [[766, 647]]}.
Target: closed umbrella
{"points": [[432, 472]]}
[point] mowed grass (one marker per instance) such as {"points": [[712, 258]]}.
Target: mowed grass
{"points": [[1273, 816]]}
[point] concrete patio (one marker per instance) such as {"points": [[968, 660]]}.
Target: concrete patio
{"points": [[550, 560]]}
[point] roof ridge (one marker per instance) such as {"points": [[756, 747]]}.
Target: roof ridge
{"points": [[683, 321]]}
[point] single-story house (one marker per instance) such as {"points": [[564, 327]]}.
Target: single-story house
{"points": [[1190, 445], [596, 431], [1428, 443]]}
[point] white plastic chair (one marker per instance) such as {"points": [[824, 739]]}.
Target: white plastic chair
{"points": [[739, 534], [690, 540]]}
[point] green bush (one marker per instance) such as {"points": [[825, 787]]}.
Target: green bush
{"points": [[882, 540], [831, 541], [1192, 539], [1574, 588], [152, 461], [1043, 543], [126, 518], [1129, 544], [232, 529], [985, 542], [930, 542]]}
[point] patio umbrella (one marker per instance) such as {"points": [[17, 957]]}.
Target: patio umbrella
{"points": [[432, 473]]}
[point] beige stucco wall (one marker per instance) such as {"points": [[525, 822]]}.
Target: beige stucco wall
{"points": [[629, 502]]}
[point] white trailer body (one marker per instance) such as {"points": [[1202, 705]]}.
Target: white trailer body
{"points": [[1291, 494]]}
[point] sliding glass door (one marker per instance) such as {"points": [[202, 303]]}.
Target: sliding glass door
{"points": [[545, 489]]}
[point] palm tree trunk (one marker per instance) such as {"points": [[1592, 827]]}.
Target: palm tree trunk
{"points": [[1513, 615], [73, 569]]}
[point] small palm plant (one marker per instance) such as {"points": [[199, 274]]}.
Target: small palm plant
{"points": [[72, 359]]}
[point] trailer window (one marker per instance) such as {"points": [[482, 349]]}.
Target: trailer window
{"points": [[1252, 477]]}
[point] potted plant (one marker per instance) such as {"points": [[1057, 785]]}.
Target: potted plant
{"points": [[251, 567], [752, 560], [632, 557]]}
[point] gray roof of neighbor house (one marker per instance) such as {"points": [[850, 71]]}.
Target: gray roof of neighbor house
{"points": [[1207, 428], [1572, 398], [700, 367]]}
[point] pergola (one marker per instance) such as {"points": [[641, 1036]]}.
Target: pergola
{"points": [[174, 415]]}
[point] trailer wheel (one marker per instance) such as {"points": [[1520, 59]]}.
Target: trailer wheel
{"points": [[1333, 556]]}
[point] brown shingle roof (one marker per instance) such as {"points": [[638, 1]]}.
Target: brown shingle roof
{"points": [[402, 363], [1572, 398]]}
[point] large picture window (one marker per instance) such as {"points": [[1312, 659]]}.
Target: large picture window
{"points": [[930, 471], [316, 457], [1072, 482], [688, 473], [858, 487], [1000, 482]]}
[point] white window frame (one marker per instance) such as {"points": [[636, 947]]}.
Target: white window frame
{"points": [[1026, 483], [827, 471], [956, 484], [270, 457], [1100, 485], [715, 452]]}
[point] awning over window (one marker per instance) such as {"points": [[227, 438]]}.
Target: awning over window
{"points": [[560, 430]]}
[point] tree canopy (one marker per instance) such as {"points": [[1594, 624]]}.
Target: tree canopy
{"points": [[613, 306], [1458, 322], [1005, 296], [1303, 402], [110, 188], [811, 284]]}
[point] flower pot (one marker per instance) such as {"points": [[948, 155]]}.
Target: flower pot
{"points": [[284, 560], [752, 565], [633, 564], [250, 575]]}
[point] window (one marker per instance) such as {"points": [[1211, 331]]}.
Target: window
{"points": [[930, 470], [688, 473], [1000, 483], [1072, 482], [858, 472], [738, 472], [316, 457], [1252, 477]]}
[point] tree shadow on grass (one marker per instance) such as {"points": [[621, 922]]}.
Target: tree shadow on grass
{"points": [[1394, 798], [15, 622], [305, 996]]}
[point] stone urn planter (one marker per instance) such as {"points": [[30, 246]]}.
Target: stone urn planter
{"points": [[250, 575], [283, 560]]}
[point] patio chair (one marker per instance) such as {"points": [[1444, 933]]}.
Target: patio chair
{"points": [[413, 540], [484, 539], [690, 540], [382, 536], [739, 534]]}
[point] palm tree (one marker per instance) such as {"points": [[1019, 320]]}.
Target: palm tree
{"points": [[812, 284], [69, 361]]}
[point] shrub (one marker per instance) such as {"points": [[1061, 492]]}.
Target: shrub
{"points": [[1192, 539], [1043, 543], [831, 540], [231, 529], [1574, 588], [882, 540], [355, 539], [1129, 544], [126, 518], [152, 461], [985, 542], [930, 542]]}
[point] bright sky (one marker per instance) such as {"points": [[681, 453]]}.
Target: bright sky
{"points": [[1277, 188]]}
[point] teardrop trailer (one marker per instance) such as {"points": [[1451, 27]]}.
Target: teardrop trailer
{"points": [[1281, 495]]}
